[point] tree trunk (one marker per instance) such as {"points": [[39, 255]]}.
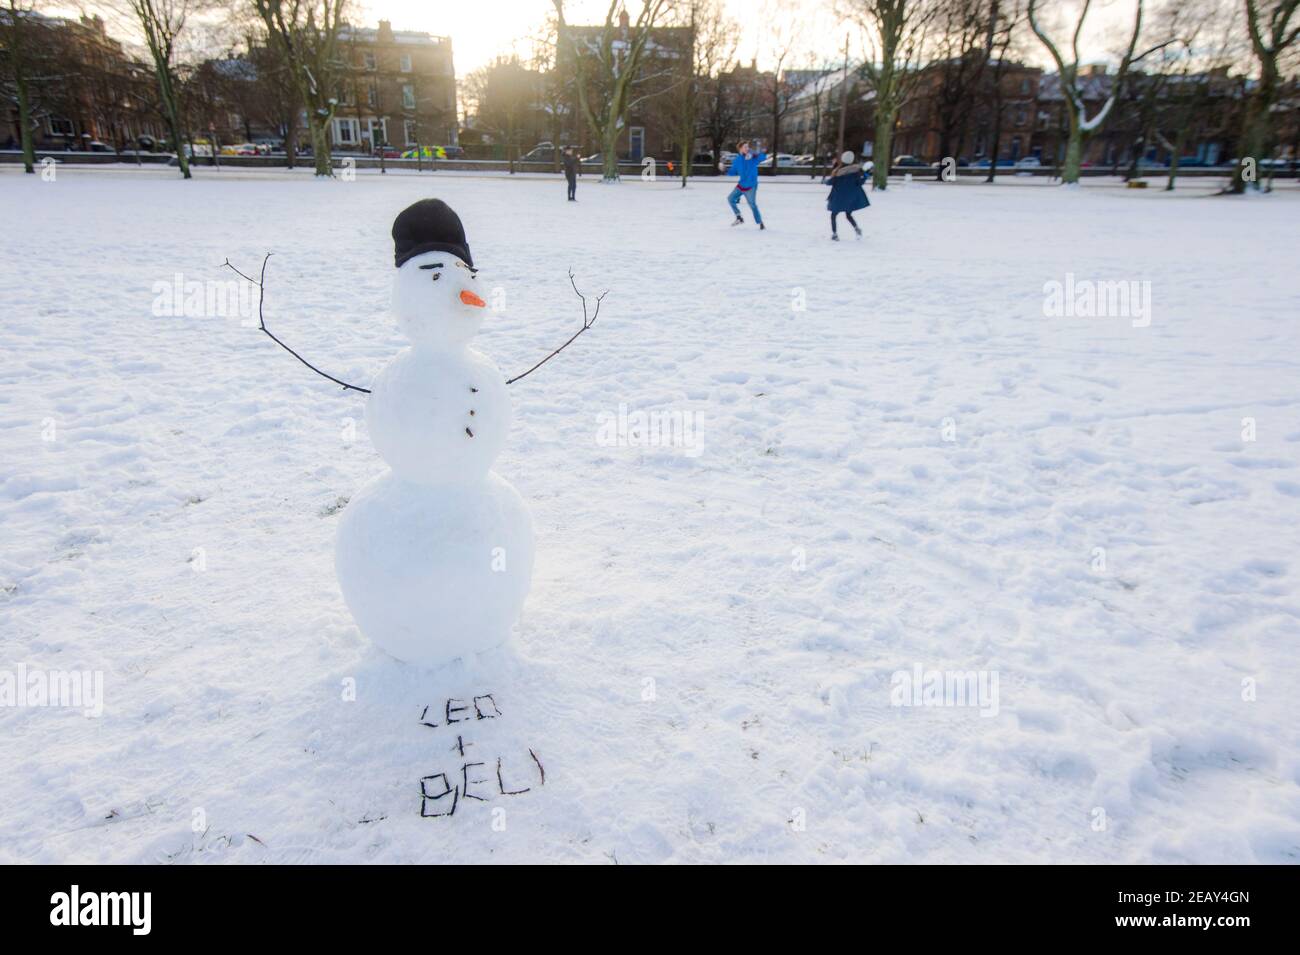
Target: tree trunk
{"points": [[997, 139], [320, 144], [1173, 163], [172, 114], [609, 151], [945, 141], [776, 140], [1073, 152], [1254, 136], [291, 139], [25, 118], [881, 151]]}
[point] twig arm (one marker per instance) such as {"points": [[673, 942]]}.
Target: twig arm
{"points": [[261, 323], [586, 324]]}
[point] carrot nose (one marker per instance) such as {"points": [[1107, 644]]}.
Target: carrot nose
{"points": [[469, 298]]}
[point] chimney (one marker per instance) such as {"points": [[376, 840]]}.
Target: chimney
{"points": [[385, 31], [622, 20]]}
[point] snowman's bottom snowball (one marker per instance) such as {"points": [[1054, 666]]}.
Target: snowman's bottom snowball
{"points": [[432, 573]]}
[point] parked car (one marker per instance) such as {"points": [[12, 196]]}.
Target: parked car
{"points": [[984, 164], [95, 146], [806, 159], [1029, 162], [961, 163], [433, 152], [910, 161], [542, 152], [387, 152], [599, 158], [781, 159]]}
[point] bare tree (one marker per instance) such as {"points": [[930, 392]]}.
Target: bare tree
{"points": [[1197, 78], [505, 97], [687, 102], [1080, 126], [725, 107], [162, 24], [306, 33], [962, 56], [18, 23], [607, 71], [555, 92], [1005, 17], [784, 34], [896, 33], [1272, 35]]}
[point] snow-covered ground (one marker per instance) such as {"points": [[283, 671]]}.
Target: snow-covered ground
{"points": [[889, 458]]}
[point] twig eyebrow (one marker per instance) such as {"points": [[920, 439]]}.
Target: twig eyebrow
{"points": [[432, 265]]}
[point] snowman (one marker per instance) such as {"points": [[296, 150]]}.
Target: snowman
{"points": [[435, 555]]}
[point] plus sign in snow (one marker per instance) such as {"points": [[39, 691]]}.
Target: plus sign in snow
{"points": [[435, 555]]}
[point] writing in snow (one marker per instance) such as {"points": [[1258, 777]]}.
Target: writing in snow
{"points": [[480, 777]]}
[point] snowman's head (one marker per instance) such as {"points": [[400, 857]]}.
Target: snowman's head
{"points": [[436, 300]]}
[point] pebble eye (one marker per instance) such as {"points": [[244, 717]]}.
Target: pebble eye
{"points": [[436, 276]]}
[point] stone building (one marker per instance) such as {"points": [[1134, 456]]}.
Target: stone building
{"points": [[399, 88]]}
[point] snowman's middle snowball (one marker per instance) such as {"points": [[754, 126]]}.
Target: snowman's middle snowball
{"points": [[439, 417]]}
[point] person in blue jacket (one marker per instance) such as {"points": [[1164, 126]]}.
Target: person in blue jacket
{"points": [[847, 194], [745, 165]]}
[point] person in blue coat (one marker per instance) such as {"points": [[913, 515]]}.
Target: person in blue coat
{"points": [[847, 194], [745, 165]]}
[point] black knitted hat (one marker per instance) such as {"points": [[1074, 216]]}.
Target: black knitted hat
{"points": [[429, 225]]}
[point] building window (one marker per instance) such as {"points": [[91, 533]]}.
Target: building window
{"points": [[1024, 86], [636, 142], [408, 96], [408, 132], [406, 63], [372, 95], [347, 132], [60, 127], [1020, 116], [369, 60], [378, 132]]}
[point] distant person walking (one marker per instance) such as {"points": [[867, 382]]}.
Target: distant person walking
{"points": [[571, 171], [847, 195], [745, 165]]}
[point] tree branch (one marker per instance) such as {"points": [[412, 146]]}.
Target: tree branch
{"points": [[586, 324], [261, 323]]}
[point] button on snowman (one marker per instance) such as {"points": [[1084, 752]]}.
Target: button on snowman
{"points": [[435, 556]]}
